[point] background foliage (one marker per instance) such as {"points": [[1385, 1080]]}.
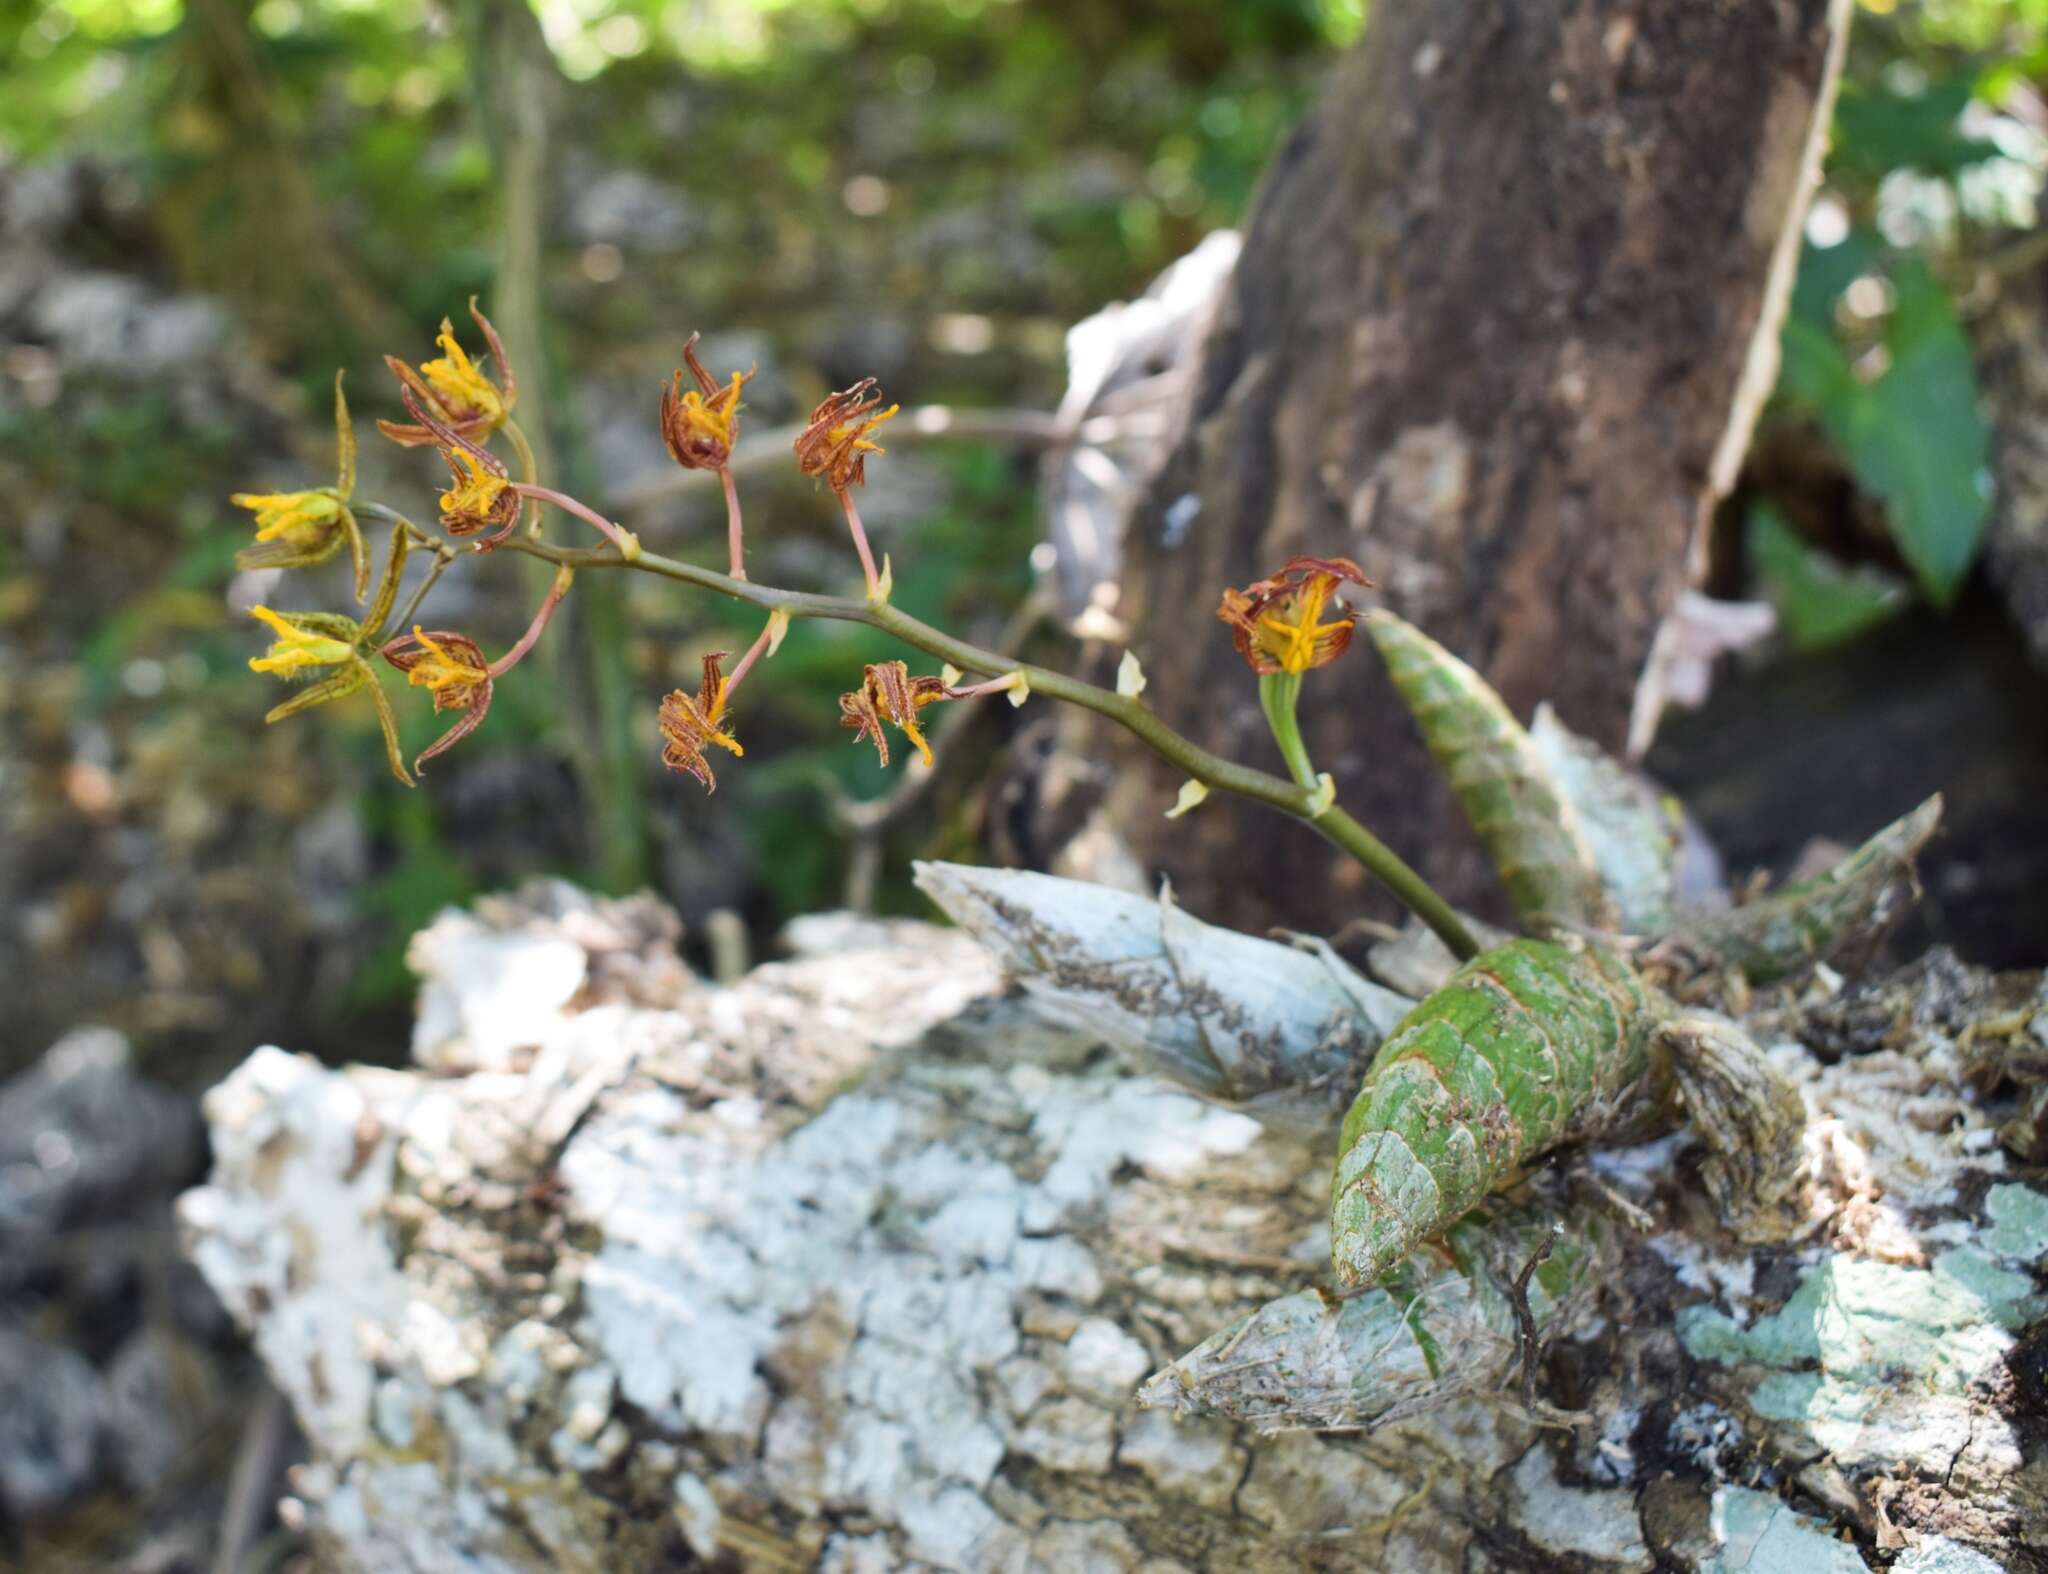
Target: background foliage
{"points": [[929, 190]]}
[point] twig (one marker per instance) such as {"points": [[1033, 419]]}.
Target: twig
{"points": [[252, 1481], [1525, 1319], [443, 556]]}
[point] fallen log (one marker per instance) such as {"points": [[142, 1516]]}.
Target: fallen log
{"points": [[858, 1264]]}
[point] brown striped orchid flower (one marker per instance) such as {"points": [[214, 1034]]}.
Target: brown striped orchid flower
{"points": [[454, 389], [889, 693], [1278, 623], [701, 425], [480, 499]]}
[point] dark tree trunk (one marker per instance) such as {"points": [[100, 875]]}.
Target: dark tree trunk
{"points": [[1507, 307], [2014, 373]]}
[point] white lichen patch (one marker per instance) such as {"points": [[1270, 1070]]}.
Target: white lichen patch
{"points": [[290, 1233], [853, 1264], [1879, 1364], [1599, 1526], [1939, 1555], [1104, 1363], [645, 1239], [1198, 1460], [1755, 1533], [2019, 1223]]}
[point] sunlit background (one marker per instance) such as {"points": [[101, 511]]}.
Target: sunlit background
{"points": [[206, 208]]}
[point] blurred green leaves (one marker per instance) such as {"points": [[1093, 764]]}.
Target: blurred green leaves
{"points": [[1925, 169], [1879, 129], [1819, 601], [1904, 410]]}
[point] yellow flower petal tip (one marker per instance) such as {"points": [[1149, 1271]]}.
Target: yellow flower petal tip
{"points": [[1192, 794], [296, 648], [1130, 677]]}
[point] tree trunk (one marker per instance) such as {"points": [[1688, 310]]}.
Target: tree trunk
{"points": [[854, 1265], [2014, 372], [1507, 308]]}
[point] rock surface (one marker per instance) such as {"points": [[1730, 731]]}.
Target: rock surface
{"points": [[121, 1391], [854, 1264]]}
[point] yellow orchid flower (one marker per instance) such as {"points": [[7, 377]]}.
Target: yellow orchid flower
{"points": [[690, 724], [302, 529], [835, 444], [298, 647], [455, 389], [1277, 623], [700, 425]]}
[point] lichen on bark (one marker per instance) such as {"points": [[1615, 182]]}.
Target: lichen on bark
{"points": [[855, 1263]]}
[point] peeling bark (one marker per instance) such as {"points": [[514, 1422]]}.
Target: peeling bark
{"points": [[1507, 305], [856, 1264]]}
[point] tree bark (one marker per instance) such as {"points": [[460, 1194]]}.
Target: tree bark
{"points": [[2015, 379], [855, 1265], [1507, 308]]}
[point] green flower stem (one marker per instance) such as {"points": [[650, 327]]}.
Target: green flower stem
{"points": [[1278, 694], [443, 556], [1301, 801]]}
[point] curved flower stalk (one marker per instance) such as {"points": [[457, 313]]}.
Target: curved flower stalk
{"points": [[304, 529], [833, 448], [699, 428], [455, 407]]}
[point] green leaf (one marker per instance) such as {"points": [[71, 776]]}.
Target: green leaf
{"points": [[1918, 441], [1499, 778], [1813, 369], [1913, 434], [1878, 130], [1819, 601], [1826, 271]]}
